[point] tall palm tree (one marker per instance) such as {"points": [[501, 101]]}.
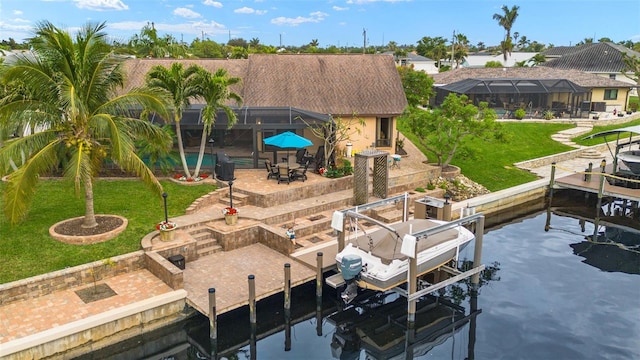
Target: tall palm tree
{"points": [[506, 20], [180, 84], [68, 91], [215, 90]]}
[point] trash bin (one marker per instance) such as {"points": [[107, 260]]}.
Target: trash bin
{"points": [[177, 260]]}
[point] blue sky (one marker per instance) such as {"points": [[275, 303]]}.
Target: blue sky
{"points": [[332, 22]]}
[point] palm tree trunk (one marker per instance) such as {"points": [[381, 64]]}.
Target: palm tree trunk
{"points": [[89, 212], [185, 167], [203, 144]]}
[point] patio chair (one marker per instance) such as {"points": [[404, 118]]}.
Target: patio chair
{"points": [[272, 171], [284, 175], [297, 174], [300, 155]]}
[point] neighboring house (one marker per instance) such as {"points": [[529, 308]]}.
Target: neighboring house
{"points": [[415, 61], [603, 59], [478, 60], [278, 90], [535, 89]]}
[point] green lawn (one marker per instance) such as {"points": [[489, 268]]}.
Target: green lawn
{"points": [[491, 163], [26, 249]]}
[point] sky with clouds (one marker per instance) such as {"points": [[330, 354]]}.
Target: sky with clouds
{"points": [[343, 23]]}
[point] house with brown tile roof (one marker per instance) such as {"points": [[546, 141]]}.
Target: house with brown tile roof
{"points": [[279, 89], [569, 93]]}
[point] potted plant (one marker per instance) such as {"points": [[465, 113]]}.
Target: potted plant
{"points": [[166, 229], [230, 215]]}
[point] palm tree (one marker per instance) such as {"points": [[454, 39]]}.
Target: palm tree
{"points": [[216, 92], [180, 84], [506, 20], [68, 92], [149, 44]]}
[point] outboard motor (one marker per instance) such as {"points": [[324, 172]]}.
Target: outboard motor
{"points": [[350, 268]]}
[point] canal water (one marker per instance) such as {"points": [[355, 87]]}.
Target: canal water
{"points": [[546, 295]]}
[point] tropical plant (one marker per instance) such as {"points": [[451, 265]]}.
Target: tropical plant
{"points": [[215, 90], [179, 83], [506, 20], [149, 44], [441, 131], [69, 94], [519, 114], [335, 132], [548, 115], [417, 85]]}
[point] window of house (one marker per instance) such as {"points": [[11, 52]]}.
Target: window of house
{"points": [[383, 132], [610, 94], [612, 76]]}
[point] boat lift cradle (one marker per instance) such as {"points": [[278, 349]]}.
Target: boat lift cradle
{"points": [[337, 281]]}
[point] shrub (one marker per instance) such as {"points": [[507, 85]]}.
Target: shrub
{"points": [[548, 115], [419, 189], [519, 114], [347, 169]]}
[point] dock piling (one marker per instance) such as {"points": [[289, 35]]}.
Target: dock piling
{"points": [[477, 251], [252, 317], [319, 275], [213, 323], [287, 307], [587, 176]]}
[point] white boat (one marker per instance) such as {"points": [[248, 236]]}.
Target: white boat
{"points": [[631, 159], [375, 261]]}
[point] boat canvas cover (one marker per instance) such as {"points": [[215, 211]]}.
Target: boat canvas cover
{"points": [[386, 245]]}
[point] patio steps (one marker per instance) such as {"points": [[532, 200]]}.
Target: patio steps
{"points": [[206, 242], [591, 154], [239, 199], [387, 213]]}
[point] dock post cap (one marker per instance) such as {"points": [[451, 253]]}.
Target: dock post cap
{"points": [[212, 290], [251, 277]]}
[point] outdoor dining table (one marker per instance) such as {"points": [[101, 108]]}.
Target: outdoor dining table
{"points": [[292, 166]]}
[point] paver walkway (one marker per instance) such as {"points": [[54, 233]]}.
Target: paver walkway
{"points": [[23, 318]]}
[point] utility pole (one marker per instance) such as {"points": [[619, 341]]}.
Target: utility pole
{"points": [[453, 47], [364, 43]]}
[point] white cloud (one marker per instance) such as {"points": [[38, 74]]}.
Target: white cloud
{"points": [[338, 8], [17, 12], [20, 20], [216, 4], [316, 17], [248, 10], [362, 2], [196, 28], [186, 13], [101, 5]]}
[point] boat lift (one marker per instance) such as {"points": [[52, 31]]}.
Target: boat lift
{"points": [[412, 293]]}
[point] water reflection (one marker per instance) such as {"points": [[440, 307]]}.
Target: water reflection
{"points": [[378, 327], [614, 243]]}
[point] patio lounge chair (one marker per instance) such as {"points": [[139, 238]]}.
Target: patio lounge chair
{"points": [[272, 171], [284, 174], [297, 174]]}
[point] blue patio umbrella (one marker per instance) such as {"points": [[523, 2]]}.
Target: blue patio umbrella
{"points": [[288, 140]]}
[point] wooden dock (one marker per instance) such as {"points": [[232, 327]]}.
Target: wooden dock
{"points": [[228, 273], [580, 181]]}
